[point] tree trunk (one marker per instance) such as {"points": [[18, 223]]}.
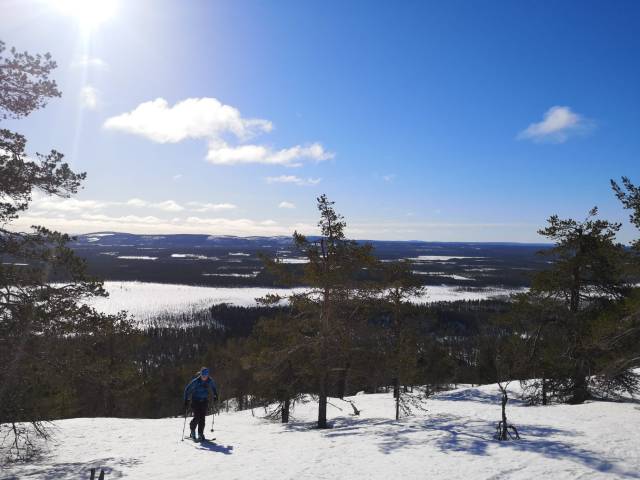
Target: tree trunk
{"points": [[322, 402], [504, 432], [344, 380], [396, 394], [325, 319], [544, 389], [580, 388], [286, 406]]}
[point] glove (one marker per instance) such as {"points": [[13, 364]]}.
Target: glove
{"points": [[215, 398]]}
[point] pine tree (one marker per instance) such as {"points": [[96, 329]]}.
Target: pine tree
{"points": [[400, 286], [334, 303], [629, 196], [278, 358], [588, 273], [35, 313]]}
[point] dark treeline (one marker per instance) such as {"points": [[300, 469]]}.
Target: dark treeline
{"points": [[142, 372]]}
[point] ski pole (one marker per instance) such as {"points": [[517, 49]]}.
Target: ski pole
{"points": [[184, 425], [213, 415]]}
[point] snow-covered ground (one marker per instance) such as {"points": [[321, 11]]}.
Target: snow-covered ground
{"points": [[452, 440], [144, 300]]}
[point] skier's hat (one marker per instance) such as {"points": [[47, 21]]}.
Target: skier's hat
{"points": [[204, 371]]}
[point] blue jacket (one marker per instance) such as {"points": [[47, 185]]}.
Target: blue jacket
{"points": [[199, 390]]}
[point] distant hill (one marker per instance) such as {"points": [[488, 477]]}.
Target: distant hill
{"points": [[234, 261]]}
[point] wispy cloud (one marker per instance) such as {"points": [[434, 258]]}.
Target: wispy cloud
{"points": [[303, 182], [89, 222], [169, 206], [166, 206], [137, 202], [209, 119], [82, 216], [557, 125], [90, 97], [210, 207], [222, 154], [57, 204], [389, 178]]}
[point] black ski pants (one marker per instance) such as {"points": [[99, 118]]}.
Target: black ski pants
{"points": [[199, 409]]}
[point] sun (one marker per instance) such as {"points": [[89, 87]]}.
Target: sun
{"points": [[89, 13]]}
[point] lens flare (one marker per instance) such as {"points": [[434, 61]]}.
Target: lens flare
{"points": [[89, 13]]}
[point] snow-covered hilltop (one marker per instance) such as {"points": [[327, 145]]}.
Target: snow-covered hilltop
{"points": [[453, 439]]}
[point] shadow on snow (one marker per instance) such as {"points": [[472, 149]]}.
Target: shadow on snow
{"points": [[475, 395], [76, 470], [215, 447], [451, 433]]}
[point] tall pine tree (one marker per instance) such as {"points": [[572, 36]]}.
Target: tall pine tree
{"points": [[589, 271], [43, 285]]}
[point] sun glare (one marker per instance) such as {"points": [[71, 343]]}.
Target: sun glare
{"points": [[89, 13]]}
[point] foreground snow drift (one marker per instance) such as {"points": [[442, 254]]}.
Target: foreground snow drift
{"points": [[454, 439]]}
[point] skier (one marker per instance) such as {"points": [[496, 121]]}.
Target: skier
{"points": [[198, 390]]}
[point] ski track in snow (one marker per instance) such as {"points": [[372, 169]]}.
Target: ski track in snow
{"points": [[453, 440]]}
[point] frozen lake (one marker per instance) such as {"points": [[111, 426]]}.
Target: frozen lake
{"points": [[144, 300]]}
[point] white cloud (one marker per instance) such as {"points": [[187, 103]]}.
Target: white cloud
{"points": [[89, 97], [87, 61], [190, 118], [241, 226], [222, 154], [85, 223], [75, 220], [57, 204], [286, 205], [295, 180], [210, 207], [149, 219], [389, 178], [556, 126], [209, 119], [172, 206], [177, 177], [137, 202], [169, 206]]}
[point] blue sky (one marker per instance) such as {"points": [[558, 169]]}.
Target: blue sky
{"points": [[451, 120]]}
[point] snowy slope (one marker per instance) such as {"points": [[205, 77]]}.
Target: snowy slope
{"points": [[452, 440]]}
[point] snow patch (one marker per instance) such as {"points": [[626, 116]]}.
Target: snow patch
{"points": [[442, 274], [437, 258], [192, 256], [236, 275], [136, 257], [293, 260]]}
